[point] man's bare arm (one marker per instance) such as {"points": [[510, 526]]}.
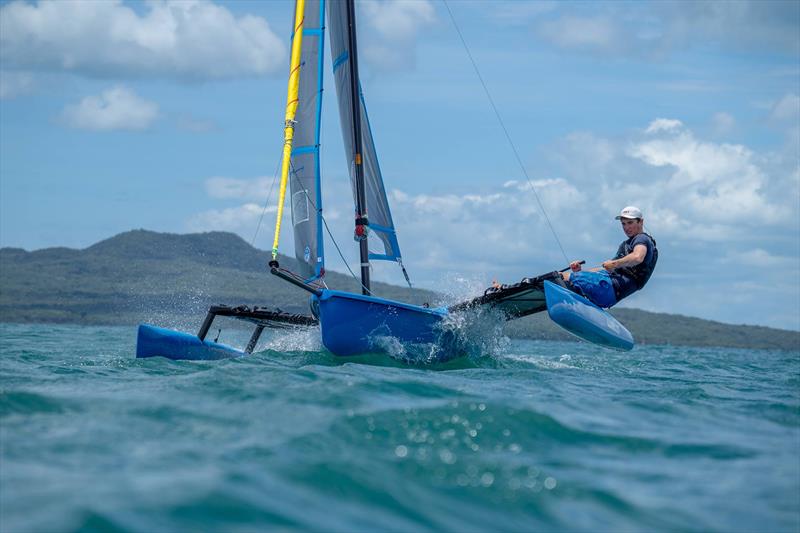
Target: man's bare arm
{"points": [[632, 259]]}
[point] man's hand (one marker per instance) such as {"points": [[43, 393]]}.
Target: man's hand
{"points": [[575, 266], [609, 265]]}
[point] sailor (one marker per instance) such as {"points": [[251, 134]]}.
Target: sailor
{"points": [[627, 273]]}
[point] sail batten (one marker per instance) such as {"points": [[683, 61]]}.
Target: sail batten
{"points": [[297, 150], [337, 63]]}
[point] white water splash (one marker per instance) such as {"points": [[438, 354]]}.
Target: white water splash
{"points": [[293, 340], [473, 334], [460, 288], [541, 361]]}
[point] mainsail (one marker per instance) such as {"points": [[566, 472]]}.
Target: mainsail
{"points": [[377, 206], [304, 177]]}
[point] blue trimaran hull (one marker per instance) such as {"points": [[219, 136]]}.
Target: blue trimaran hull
{"points": [[153, 341], [353, 324], [584, 319]]}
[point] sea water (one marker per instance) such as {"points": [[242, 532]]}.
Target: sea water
{"points": [[527, 436]]}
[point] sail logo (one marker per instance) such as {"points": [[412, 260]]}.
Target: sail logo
{"points": [[307, 254]]}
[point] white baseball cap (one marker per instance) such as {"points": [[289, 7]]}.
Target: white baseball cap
{"points": [[630, 212]]}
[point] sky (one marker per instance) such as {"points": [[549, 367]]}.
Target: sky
{"points": [[167, 115]]}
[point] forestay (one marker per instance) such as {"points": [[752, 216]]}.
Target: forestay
{"points": [[380, 217], [306, 194]]}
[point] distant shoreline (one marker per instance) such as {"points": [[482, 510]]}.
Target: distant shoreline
{"points": [[144, 276]]}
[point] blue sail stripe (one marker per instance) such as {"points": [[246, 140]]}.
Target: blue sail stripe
{"points": [[307, 31], [383, 229], [297, 150], [392, 236], [340, 60]]}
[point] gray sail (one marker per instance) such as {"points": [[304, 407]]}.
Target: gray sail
{"points": [[379, 214], [304, 175]]}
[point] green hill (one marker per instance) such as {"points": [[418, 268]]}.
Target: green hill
{"points": [[171, 279], [142, 275]]}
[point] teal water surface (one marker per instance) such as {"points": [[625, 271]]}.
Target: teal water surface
{"points": [[532, 436]]}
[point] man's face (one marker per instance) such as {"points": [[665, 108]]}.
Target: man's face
{"points": [[632, 226]]}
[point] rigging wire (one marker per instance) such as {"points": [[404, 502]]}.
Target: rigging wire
{"points": [[503, 126], [325, 222], [330, 234], [266, 204]]}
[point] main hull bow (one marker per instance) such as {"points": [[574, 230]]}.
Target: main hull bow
{"points": [[354, 324]]}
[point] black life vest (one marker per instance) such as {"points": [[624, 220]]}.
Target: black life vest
{"points": [[640, 273]]}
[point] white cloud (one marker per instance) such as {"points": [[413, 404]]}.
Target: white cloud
{"points": [[655, 30], [787, 108], [245, 217], [484, 230], [664, 124], [239, 189], [718, 183], [555, 193], [185, 39], [692, 190], [391, 30], [699, 197], [723, 123], [744, 25], [241, 219], [118, 108], [597, 34], [399, 19], [760, 258]]}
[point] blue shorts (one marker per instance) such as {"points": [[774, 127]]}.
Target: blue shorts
{"points": [[595, 286]]}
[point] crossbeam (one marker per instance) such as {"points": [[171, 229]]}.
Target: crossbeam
{"points": [[260, 316]]}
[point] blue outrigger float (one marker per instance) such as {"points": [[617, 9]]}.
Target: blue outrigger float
{"points": [[350, 323]]}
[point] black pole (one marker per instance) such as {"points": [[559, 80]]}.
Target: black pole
{"points": [[254, 338], [296, 282], [361, 203], [206, 325]]}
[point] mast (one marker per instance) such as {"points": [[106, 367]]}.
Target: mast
{"points": [[289, 122], [362, 223]]}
